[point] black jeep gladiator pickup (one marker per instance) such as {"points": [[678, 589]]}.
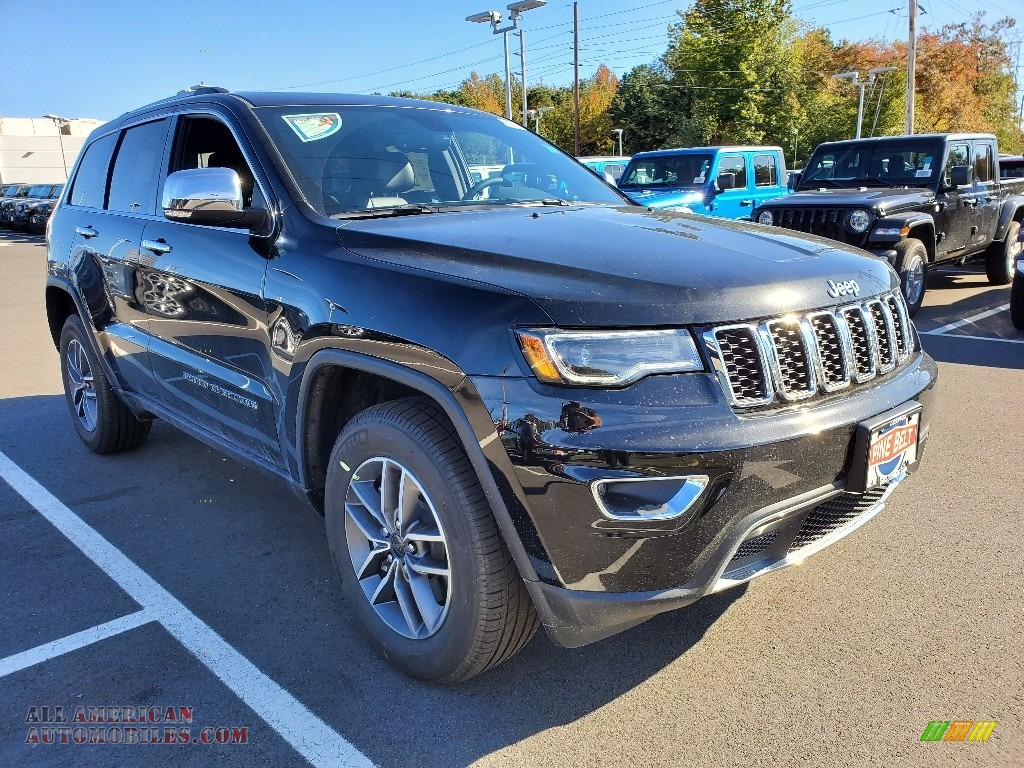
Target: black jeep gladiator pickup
{"points": [[917, 201], [519, 399]]}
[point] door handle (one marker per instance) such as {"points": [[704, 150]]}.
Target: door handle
{"points": [[156, 246], [746, 202], [86, 231]]}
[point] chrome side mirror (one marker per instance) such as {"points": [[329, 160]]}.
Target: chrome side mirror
{"points": [[211, 196]]}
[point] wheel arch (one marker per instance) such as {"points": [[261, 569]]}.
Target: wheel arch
{"points": [[329, 370]]}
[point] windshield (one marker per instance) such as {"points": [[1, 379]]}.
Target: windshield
{"points": [[893, 164], [8, 191], [40, 190], [688, 170], [56, 191], [348, 159]]}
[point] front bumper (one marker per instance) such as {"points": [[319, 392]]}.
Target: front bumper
{"points": [[770, 474]]}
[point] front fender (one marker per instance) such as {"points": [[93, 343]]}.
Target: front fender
{"points": [[889, 230], [476, 433]]}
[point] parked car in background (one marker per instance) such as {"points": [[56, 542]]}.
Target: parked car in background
{"points": [[729, 182], [12, 194], [917, 201], [1011, 167], [37, 195], [39, 216], [613, 166]]}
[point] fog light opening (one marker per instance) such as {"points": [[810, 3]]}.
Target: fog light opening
{"points": [[639, 499]]}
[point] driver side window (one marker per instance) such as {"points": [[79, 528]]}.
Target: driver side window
{"points": [[204, 142], [959, 154]]}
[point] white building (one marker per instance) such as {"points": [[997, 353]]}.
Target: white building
{"points": [[37, 150]]}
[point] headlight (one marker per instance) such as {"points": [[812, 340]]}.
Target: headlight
{"points": [[858, 221], [607, 358], [766, 218]]}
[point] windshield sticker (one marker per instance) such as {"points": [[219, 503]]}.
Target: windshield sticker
{"points": [[699, 179], [317, 125], [923, 173]]}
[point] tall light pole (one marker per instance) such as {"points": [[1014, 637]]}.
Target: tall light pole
{"points": [[618, 133], [60, 122], [494, 19], [861, 85], [537, 114]]}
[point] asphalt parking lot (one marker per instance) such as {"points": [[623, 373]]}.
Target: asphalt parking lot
{"points": [[171, 579]]}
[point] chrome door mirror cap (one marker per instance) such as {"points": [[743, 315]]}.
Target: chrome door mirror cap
{"points": [[211, 196]]}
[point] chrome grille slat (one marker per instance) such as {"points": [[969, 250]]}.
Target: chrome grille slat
{"points": [[796, 357]]}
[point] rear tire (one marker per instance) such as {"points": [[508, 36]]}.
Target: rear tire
{"points": [[104, 423], [430, 580], [1001, 259], [912, 267]]}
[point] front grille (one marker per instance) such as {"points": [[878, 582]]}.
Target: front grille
{"points": [[797, 357], [824, 222], [833, 514]]}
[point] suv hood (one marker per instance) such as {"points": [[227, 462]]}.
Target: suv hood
{"points": [[876, 198], [662, 198], [623, 266]]}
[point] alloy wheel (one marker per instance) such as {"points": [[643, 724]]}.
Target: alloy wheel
{"points": [[81, 386], [914, 282], [398, 548]]}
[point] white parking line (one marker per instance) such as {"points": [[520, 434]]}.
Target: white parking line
{"points": [[47, 651], [308, 734], [979, 338], [967, 320]]}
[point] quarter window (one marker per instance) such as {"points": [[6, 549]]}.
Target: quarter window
{"points": [[736, 165], [133, 181], [765, 172], [90, 183]]}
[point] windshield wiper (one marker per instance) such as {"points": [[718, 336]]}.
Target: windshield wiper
{"points": [[382, 213]]}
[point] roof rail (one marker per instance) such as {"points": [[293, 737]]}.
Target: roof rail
{"points": [[200, 89]]}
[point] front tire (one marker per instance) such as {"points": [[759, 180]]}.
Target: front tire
{"points": [[912, 267], [421, 560], [105, 424], [1001, 259]]}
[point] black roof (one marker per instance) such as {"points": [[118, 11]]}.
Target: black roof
{"points": [[213, 94], [903, 138]]}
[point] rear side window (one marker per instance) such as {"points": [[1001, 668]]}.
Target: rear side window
{"points": [[136, 171], [737, 165], [90, 183], [765, 172], [983, 161]]}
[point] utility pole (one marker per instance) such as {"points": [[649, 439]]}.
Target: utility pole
{"points": [[576, 77], [908, 128], [522, 71]]}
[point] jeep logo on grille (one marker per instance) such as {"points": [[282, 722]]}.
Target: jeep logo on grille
{"points": [[845, 288]]}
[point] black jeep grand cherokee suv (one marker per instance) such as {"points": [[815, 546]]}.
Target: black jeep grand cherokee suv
{"points": [[518, 401]]}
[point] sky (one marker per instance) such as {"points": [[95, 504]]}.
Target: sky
{"points": [[104, 57]]}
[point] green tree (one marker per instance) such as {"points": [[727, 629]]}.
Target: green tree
{"points": [[734, 65], [642, 107]]}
